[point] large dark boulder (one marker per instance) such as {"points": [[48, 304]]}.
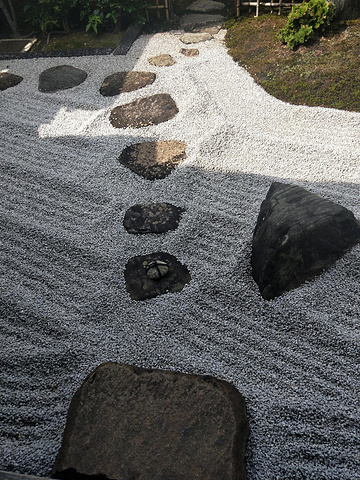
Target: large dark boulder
{"points": [[8, 80], [127, 423], [297, 236], [347, 9]]}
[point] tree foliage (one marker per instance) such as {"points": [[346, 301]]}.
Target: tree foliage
{"points": [[305, 21], [94, 14]]}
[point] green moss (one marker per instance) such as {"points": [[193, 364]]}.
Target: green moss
{"points": [[323, 73]]}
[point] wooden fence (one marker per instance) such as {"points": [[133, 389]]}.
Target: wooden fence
{"points": [[279, 4], [164, 6]]}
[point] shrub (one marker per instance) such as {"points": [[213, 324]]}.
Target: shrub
{"points": [[305, 21]]}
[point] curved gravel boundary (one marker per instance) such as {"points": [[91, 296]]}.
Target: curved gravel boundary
{"points": [[64, 305]]}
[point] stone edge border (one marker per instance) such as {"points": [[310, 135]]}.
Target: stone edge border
{"points": [[130, 35], [18, 476]]}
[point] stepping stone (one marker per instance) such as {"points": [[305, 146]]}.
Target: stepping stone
{"points": [[190, 52], [188, 38], [127, 422], [144, 112], [153, 160], [121, 82], [148, 276], [297, 236], [60, 78], [8, 80], [205, 6], [164, 60], [153, 218], [196, 20]]}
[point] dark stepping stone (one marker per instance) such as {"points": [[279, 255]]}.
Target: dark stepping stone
{"points": [[297, 236], [8, 80], [144, 112], [154, 218], [60, 78], [140, 282], [121, 82], [127, 422], [153, 160]]}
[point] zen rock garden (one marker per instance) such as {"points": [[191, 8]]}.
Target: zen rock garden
{"points": [[132, 423]]}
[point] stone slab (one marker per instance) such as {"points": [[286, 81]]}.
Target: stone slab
{"points": [[144, 112], [152, 218], [17, 476], [205, 6], [163, 60], [127, 423], [189, 38], [195, 20], [153, 160], [121, 82]]}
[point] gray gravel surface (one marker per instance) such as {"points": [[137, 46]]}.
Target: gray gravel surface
{"points": [[64, 304]]}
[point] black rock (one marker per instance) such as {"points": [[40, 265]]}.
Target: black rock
{"points": [[154, 218], [297, 236], [8, 80], [141, 286], [61, 77]]}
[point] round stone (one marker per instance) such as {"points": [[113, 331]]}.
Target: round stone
{"points": [[61, 77], [157, 269]]}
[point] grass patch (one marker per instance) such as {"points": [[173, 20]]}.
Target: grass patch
{"points": [[323, 73], [78, 40]]}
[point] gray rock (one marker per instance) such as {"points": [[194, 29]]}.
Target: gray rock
{"points": [[121, 82], [153, 160], [297, 236], [8, 80], [144, 112], [127, 422], [61, 77], [206, 6], [164, 60], [141, 287], [193, 21], [347, 9], [188, 38], [153, 218]]}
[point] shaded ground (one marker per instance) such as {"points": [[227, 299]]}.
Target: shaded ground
{"points": [[78, 39], [323, 73]]}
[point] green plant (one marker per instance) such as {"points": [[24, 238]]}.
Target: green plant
{"points": [[305, 21], [47, 14]]}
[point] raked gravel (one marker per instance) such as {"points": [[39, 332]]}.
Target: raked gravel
{"points": [[65, 308]]}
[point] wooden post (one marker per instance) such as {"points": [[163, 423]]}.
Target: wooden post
{"points": [[167, 10], [280, 4], [257, 8], [238, 8]]}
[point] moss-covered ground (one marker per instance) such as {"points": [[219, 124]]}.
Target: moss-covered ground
{"points": [[325, 72]]}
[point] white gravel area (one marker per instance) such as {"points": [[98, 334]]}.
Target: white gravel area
{"points": [[65, 308]]}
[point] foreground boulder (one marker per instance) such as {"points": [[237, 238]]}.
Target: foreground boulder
{"points": [[297, 236], [61, 77], [144, 112], [127, 422], [347, 9]]}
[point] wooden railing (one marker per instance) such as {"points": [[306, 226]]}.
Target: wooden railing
{"points": [[279, 4], [165, 5]]}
